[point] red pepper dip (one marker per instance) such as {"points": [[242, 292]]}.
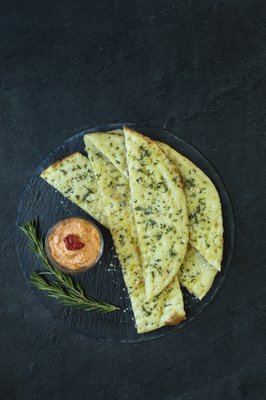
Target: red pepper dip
{"points": [[74, 243]]}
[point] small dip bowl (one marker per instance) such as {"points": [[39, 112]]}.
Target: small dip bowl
{"points": [[74, 245]]}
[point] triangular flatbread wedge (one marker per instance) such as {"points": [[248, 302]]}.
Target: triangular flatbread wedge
{"points": [[73, 176], [164, 309], [196, 274], [204, 208], [160, 212]]}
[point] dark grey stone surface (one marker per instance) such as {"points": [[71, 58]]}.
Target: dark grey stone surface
{"points": [[197, 68]]}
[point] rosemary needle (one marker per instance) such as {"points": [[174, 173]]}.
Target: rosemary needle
{"points": [[61, 287]]}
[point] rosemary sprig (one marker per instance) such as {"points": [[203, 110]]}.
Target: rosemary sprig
{"points": [[72, 299], [61, 287]]}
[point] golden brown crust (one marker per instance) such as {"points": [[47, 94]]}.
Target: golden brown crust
{"points": [[175, 319]]}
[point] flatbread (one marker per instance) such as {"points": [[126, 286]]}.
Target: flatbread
{"points": [[204, 208], [73, 176], [167, 308], [160, 212], [196, 274], [112, 145]]}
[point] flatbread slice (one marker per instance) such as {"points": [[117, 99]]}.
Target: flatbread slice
{"points": [[165, 309], [73, 176], [111, 145], [160, 212], [196, 274], [204, 208]]}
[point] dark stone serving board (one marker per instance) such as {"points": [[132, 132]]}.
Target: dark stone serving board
{"points": [[105, 281]]}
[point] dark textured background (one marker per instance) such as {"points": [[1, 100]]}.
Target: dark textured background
{"points": [[197, 68]]}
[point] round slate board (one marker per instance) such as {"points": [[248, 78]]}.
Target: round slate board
{"points": [[105, 281]]}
